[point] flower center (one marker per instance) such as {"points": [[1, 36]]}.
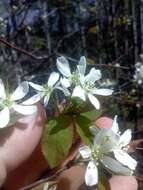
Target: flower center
{"points": [[74, 78], [97, 152], [88, 86], [47, 90], [6, 103]]}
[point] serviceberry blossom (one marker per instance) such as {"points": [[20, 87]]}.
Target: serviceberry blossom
{"points": [[106, 142], [9, 103], [84, 85], [45, 91], [120, 150]]}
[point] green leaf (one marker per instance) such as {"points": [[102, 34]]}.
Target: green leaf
{"points": [[91, 115], [75, 107], [57, 140], [62, 121], [82, 127]]}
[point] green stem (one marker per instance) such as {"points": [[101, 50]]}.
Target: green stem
{"points": [[56, 103], [103, 183]]}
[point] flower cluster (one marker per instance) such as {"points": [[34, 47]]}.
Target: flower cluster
{"points": [[109, 147], [83, 87], [110, 150]]}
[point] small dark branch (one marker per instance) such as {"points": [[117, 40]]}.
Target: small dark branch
{"points": [[12, 15], [57, 171], [59, 43], [36, 183], [123, 55], [112, 66], [97, 65], [45, 7], [3, 41], [24, 17], [55, 52]]}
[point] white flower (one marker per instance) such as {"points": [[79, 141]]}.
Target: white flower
{"points": [[84, 84], [8, 103], [44, 91], [104, 143], [87, 86], [121, 147]]}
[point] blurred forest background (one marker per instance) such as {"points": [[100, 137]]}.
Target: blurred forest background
{"points": [[33, 33]]}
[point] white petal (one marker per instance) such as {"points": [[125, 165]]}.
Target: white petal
{"points": [[54, 77], [103, 92], [82, 66], [115, 166], [4, 117], [115, 127], [125, 138], [36, 86], [63, 66], [100, 136], [46, 100], [93, 75], [82, 79], [20, 91], [107, 140], [79, 92], [2, 89], [32, 100], [94, 101], [85, 152], [65, 82], [125, 159], [91, 175], [24, 110]]}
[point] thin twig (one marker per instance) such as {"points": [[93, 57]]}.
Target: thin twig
{"points": [[97, 65], [3, 41], [121, 56], [36, 183], [57, 171], [62, 40]]}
